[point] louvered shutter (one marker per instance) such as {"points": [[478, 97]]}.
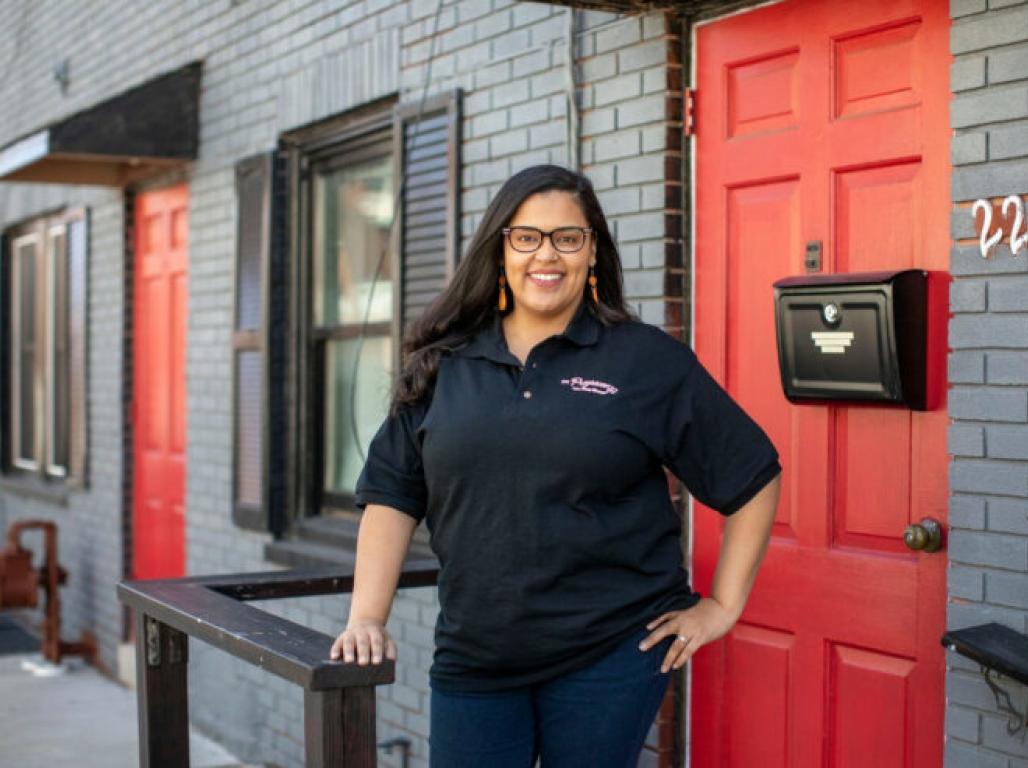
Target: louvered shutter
{"points": [[77, 235], [257, 341], [428, 148]]}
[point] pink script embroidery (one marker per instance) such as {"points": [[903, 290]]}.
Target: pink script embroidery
{"points": [[578, 384]]}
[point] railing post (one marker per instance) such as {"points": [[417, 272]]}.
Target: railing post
{"points": [[161, 659], [339, 727]]}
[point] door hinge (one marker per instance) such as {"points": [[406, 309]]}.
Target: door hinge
{"points": [[689, 112]]}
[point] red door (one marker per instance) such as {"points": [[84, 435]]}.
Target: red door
{"points": [[824, 121], [159, 381]]}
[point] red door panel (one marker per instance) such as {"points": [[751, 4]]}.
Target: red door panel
{"points": [[823, 121], [161, 301]]}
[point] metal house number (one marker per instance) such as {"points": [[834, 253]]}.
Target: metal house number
{"points": [[987, 240]]}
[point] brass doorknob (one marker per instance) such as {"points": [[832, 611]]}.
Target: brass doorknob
{"points": [[925, 536]]}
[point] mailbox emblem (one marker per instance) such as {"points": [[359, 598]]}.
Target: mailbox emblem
{"points": [[831, 313], [832, 342]]}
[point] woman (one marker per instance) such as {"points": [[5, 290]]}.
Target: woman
{"points": [[529, 426]]}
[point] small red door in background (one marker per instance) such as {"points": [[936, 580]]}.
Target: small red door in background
{"points": [[159, 383], [824, 121]]}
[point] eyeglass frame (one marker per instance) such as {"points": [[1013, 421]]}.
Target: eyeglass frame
{"points": [[543, 235]]}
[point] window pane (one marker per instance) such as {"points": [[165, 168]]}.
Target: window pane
{"points": [[25, 348], [249, 428], [371, 399], [353, 212], [60, 405]]}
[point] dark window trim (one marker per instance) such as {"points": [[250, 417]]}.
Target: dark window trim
{"points": [[340, 140]]}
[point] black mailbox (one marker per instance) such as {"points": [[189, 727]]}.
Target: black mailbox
{"points": [[856, 337]]}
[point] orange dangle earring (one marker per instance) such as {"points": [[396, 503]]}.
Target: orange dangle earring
{"points": [[502, 303], [592, 285]]}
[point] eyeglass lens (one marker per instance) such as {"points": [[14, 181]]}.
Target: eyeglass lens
{"points": [[568, 239]]}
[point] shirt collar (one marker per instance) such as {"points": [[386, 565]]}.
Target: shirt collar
{"points": [[583, 330]]}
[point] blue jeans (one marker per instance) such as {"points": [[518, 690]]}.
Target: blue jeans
{"points": [[597, 716]]}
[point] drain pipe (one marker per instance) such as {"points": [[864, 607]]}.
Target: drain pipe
{"points": [[571, 93]]}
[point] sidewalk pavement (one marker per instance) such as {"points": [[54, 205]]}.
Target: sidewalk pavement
{"points": [[79, 718]]}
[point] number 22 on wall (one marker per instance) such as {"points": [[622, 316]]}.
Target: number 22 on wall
{"points": [[987, 240]]}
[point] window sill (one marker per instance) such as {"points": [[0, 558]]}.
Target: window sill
{"points": [[331, 541], [31, 486]]}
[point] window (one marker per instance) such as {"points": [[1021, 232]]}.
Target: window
{"points": [[45, 279], [343, 279]]}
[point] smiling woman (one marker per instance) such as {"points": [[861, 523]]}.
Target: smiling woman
{"points": [[530, 428]]}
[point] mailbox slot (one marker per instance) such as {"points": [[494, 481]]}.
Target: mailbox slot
{"points": [[853, 337]]}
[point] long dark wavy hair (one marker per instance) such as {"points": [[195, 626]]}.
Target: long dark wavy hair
{"points": [[469, 302]]}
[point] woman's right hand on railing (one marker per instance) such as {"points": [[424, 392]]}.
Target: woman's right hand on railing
{"points": [[365, 638]]}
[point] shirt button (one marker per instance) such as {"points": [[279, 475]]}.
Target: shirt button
{"points": [[535, 365], [527, 394]]}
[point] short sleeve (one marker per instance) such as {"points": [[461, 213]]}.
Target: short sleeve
{"points": [[713, 446], [393, 474]]}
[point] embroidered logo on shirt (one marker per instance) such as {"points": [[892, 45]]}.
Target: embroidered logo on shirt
{"points": [[578, 384]]}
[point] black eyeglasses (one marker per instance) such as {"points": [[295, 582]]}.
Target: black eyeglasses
{"points": [[564, 239]]}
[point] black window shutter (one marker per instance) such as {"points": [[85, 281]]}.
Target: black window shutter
{"points": [[428, 151], [77, 239], [258, 341]]}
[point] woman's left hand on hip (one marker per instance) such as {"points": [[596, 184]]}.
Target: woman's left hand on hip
{"points": [[692, 628]]}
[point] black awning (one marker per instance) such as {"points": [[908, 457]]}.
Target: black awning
{"points": [[132, 135]]}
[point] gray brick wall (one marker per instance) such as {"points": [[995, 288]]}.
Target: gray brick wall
{"points": [[269, 67], [988, 371]]}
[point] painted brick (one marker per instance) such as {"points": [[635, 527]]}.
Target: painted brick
{"points": [[547, 134], [1008, 516], [967, 512], [1009, 64], [966, 367], [1009, 294], [965, 582], [508, 142], [597, 68], [1008, 141], [510, 93], [967, 260], [647, 109], [988, 404], [962, 614], [1007, 442], [958, 8], [995, 734], [640, 169], [1008, 368], [531, 112], [554, 81], [959, 754], [962, 723], [1009, 589], [968, 148], [967, 72], [617, 89], [996, 179], [620, 35], [989, 30], [619, 201], [989, 476], [967, 296], [966, 440], [617, 145], [596, 121], [1010, 331], [647, 54], [962, 224]]}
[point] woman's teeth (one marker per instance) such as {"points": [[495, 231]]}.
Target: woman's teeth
{"points": [[549, 278]]}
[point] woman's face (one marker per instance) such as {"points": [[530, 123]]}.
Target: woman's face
{"points": [[548, 282]]}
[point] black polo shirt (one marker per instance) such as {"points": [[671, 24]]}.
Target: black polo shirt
{"points": [[543, 491]]}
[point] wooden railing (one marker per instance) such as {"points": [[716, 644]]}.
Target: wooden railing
{"points": [[338, 699]]}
